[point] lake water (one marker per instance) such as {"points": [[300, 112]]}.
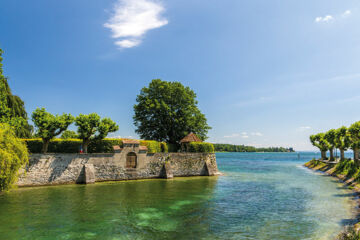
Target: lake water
{"points": [[261, 196]]}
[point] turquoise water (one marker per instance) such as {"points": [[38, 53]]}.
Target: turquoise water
{"points": [[261, 196]]}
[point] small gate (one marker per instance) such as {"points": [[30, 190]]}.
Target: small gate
{"points": [[131, 160]]}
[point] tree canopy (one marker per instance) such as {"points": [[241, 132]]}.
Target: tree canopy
{"points": [[12, 109], [68, 134], [91, 126], [48, 126], [168, 111], [13, 155]]}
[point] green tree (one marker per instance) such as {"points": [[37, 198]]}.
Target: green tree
{"points": [[342, 141], [319, 141], [48, 126], [167, 112], [12, 109], [68, 134], [354, 131], [330, 137], [13, 155], [92, 127]]}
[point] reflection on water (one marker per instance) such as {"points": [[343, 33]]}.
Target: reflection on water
{"points": [[261, 196]]}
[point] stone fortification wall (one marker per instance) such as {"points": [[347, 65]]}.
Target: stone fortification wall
{"points": [[48, 169]]}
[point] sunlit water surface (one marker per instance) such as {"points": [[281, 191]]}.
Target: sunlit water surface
{"points": [[261, 196]]}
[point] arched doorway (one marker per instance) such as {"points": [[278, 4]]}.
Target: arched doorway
{"points": [[131, 160]]}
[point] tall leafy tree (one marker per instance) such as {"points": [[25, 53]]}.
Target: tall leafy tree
{"points": [[48, 126], [330, 137], [92, 127], [168, 111], [342, 141], [319, 141], [354, 131], [12, 109], [13, 155]]}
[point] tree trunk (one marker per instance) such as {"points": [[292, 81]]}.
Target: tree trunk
{"points": [[356, 154], [85, 145], [342, 154], [45, 145], [331, 154], [323, 155]]}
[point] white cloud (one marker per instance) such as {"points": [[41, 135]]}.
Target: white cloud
{"points": [[303, 128], [346, 13], [132, 19], [327, 18], [245, 136], [232, 135], [256, 134]]}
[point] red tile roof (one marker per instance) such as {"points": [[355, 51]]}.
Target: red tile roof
{"points": [[143, 148], [116, 147], [191, 137]]}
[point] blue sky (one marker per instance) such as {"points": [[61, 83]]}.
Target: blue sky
{"points": [[266, 72]]}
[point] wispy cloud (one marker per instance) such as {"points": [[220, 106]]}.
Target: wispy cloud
{"points": [[234, 135], [132, 19], [303, 128], [258, 134], [331, 18], [327, 18]]}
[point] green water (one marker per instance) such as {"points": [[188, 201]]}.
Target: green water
{"points": [[261, 196]]}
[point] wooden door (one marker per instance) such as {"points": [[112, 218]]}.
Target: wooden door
{"points": [[131, 160]]}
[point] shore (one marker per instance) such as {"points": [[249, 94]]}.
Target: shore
{"points": [[350, 182]]}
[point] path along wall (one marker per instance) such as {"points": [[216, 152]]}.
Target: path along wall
{"points": [[48, 169]]}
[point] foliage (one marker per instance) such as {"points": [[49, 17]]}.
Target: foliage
{"points": [[354, 131], [48, 126], [153, 146], [200, 147], [318, 140], [241, 148], [168, 111], [12, 109], [13, 155], [330, 137], [68, 134], [172, 147], [73, 145], [91, 124], [342, 138], [350, 233]]}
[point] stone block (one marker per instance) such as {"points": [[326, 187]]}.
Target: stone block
{"points": [[89, 172]]}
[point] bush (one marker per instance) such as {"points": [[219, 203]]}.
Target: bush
{"points": [[153, 146], [13, 155], [200, 147], [73, 145]]}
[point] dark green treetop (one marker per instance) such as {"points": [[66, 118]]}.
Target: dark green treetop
{"points": [[91, 126], [48, 126], [168, 111]]}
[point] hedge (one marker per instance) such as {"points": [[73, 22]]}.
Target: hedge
{"points": [[200, 147], [73, 145], [153, 146]]}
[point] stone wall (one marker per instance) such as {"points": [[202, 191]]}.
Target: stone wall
{"points": [[48, 169]]}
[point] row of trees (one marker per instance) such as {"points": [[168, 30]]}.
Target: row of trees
{"points": [[89, 127], [242, 148], [342, 138]]}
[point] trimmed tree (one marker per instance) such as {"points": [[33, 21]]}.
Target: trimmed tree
{"points": [[318, 140], [167, 112], [330, 137], [354, 131], [13, 155], [92, 127], [48, 126], [342, 141]]}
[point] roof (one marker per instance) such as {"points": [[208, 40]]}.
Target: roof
{"points": [[191, 137], [143, 148], [130, 141], [116, 147]]}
